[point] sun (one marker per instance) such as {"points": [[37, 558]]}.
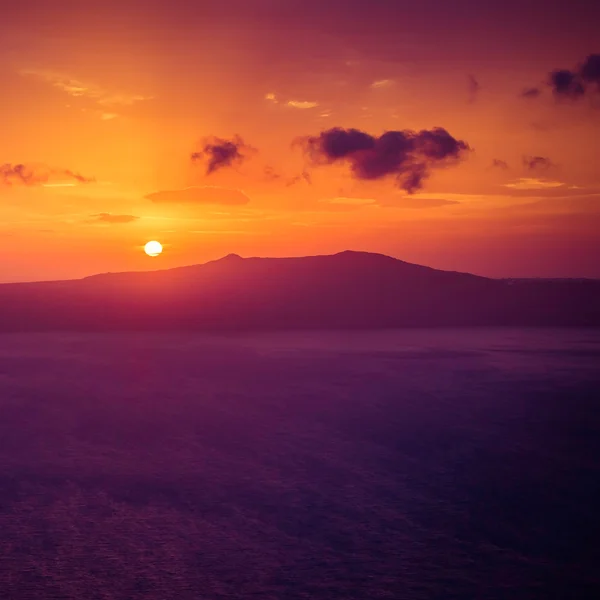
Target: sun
{"points": [[153, 248]]}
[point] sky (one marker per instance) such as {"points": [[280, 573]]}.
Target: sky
{"points": [[461, 135]]}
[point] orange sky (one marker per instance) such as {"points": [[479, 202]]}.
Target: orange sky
{"points": [[123, 93]]}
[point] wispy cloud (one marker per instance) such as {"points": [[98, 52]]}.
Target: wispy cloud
{"points": [[382, 83], [301, 104], [531, 92], [532, 183], [110, 219], [43, 175], [498, 163], [537, 162], [291, 103], [270, 175], [84, 89], [303, 177], [200, 195], [412, 202], [417, 202], [343, 203], [473, 88]]}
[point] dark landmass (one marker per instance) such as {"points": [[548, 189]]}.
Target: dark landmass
{"points": [[349, 290]]}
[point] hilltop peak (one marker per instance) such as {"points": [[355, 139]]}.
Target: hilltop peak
{"points": [[231, 256], [364, 254]]}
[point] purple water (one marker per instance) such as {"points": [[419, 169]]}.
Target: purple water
{"points": [[406, 464]]}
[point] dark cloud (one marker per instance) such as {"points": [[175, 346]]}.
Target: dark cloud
{"points": [[22, 174], [590, 69], [270, 174], [303, 177], [218, 153], [473, 88], [76, 176], [537, 162], [499, 164], [566, 83], [200, 195], [406, 155], [113, 219], [532, 92], [572, 84]]}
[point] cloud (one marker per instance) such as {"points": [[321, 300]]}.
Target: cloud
{"points": [[218, 153], [270, 174], [382, 83], [576, 83], [537, 162], [473, 87], [343, 204], [417, 202], [408, 156], [590, 69], [84, 89], [303, 177], [301, 104], [499, 164], [532, 92], [572, 84], [30, 175], [113, 219], [200, 195], [350, 201], [532, 183], [566, 83]]}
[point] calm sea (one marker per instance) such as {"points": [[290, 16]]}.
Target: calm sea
{"points": [[399, 465]]}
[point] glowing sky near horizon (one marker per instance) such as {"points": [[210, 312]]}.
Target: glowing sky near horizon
{"points": [[117, 115]]}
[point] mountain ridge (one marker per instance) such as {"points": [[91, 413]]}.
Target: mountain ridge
{"points": [[232, 257], [349, 289]]}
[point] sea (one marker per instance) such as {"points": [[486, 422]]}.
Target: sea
{"points": [[410, 464]]}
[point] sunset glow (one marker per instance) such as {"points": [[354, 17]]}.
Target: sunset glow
{"points": [[215, 127]]}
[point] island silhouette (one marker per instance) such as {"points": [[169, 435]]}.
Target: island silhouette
{"points": [[347, 290]]}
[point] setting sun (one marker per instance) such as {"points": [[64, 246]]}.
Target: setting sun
{"points": [[153, 248]]}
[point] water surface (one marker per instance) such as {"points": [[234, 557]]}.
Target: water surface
{"points": [[404, 464]]}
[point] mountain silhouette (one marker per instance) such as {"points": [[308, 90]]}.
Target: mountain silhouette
{"points": [[349, 290]]}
